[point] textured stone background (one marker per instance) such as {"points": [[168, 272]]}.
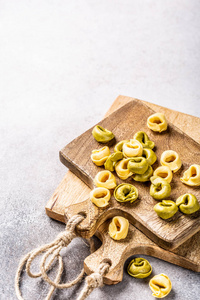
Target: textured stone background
{"points": [[62, 64]]}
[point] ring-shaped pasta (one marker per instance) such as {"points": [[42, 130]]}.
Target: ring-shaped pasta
{"points": [[149, 155], [101, 134], [157, 122], [105, 179], [132, 149], [118, 228], [126, 192], [166, 209], [160, 285], [118, 146], [112, 160], [144, 177], [171, 159], [100, 196], [192, 175], [160, 189], [188, 204], [164, 172], [144, 140], [122, 170], [138, 165], [139, 268], [99, 156]]}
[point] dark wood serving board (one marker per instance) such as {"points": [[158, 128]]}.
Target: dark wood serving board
{"points": [[124, 123]]}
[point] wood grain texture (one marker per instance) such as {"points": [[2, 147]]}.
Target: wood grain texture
{"points": [[124, 123], [136, 243]]}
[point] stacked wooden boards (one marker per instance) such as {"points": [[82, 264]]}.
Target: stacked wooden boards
{"points": [[72, 190]]}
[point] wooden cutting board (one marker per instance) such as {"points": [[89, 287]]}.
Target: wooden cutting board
{"points": [[124, 122], [72, 190]]}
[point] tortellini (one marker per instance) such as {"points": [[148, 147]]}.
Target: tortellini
{"points": [[149, 155], [122, 170], [143, 138], [101, 134], [166, 209], [139, 268], [144, 177], [138, 165], [119, 146], [160, 285], [112, 159], [160, 189], [188, 204], [171, 159], [164, 172], [99, 156], [105, 179], [192, 175], [126, 192], [157, 122], [132, 148], [100, 196], [118, 228]]}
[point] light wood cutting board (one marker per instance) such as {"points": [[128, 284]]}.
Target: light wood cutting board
{"points": [[72, 190], [124, 123]]}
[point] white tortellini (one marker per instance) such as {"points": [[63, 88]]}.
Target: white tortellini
{"points": [[157, 122], [121, 168], [99, 156], [192, 175], [100, 196], [164, 172], [160, 285], [105, 179], [132, 148], [171, 159], [118, 228]]}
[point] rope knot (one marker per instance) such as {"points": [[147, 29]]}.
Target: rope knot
{"points": [[65, 237], [95, 280]]}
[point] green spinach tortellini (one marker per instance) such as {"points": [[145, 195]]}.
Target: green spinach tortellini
{"points": [[188, 204], [139, 268], [144, 177], [137, 165], [143, 138], [166, 209], [126, 192], [160, 189], [101, 134], [112, 160]]}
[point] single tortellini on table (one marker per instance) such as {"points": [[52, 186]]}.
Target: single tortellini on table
{"points": [[100, 196], [99, 156], [171, 159], [122, 170], [119, 146], [160, 285], [164, 172], [112, 160], [166, 209], [126, 192], [149, 155], [157, 122], [138, 165], [118, 228], [192, 176], [101, 134], [105, 179], [139, 268], [132, 148], [160, 189], [144, 177], [188, 204], [144, 140]]}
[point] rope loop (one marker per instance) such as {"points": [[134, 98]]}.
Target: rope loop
{"points": [[51, 250]]}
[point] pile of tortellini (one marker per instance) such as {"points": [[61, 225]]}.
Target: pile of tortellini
{"points": [[134, 158], [159, 284]]}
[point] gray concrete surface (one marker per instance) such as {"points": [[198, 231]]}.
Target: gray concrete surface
{"points": [[62, 64]]}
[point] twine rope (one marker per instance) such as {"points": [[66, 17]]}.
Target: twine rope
{"points": [[94, 280], [52, 250]]}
